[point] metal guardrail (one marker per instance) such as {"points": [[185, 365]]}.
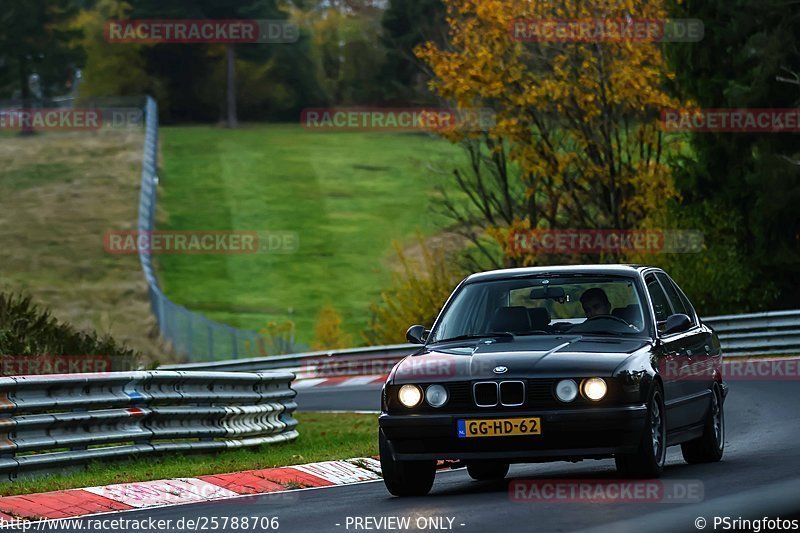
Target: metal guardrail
{"points": [[772, 332], [191, 334], [51, 422]]}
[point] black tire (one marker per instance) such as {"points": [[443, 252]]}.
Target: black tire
{"points": [[405, 478], [487, 471], [709, 447], [648, 460]]}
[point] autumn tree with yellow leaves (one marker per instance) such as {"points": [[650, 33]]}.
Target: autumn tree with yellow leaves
{"points": [[576, 141], [328, 332]]}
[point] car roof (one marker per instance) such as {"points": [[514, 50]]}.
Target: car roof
{"points": [[510, 273]]}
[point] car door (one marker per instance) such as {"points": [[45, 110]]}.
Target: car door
{"points": [[670, 363], [687, 349], [666, 352], [700, 351]]}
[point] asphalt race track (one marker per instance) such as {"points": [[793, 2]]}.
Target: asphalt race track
{"points": [[763, 448], [340, 398]]}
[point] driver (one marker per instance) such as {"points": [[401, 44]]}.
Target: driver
{"points": [[595, 302]]}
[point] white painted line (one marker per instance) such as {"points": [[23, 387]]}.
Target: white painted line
{"points": [[305, 383], [361, 380]]}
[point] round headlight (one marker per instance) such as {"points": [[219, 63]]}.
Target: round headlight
{"points": [[566, 390], [410, 395], [595, 388], [436, 395]]}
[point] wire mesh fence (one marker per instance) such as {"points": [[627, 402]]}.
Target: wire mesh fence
{"points": [[191, 334]]}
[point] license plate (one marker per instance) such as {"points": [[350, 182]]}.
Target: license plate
{"points": [[499, 427]]}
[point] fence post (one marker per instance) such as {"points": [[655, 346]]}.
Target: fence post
{"points": [[235, 344], [189, 335], [210, 353]]}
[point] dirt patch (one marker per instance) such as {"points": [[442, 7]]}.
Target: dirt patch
{"points": [[59, 195]]}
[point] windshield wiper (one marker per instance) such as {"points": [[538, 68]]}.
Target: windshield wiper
{"points": [[504, 334]]}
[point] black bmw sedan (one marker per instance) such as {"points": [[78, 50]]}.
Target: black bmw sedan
{"points": [[554, 364]]}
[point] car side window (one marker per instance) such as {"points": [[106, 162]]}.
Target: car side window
{"points": [[672, 295], [686, 304], [661, 306]]}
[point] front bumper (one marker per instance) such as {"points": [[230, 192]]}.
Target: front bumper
{"points": [[567, 435]]}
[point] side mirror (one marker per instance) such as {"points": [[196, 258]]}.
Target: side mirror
{"points": [[677, 323], [416, 334]]}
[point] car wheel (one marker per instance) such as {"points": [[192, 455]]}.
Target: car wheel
{"points": [[405, 478], [648, 460], [708, 448], [486, 471]]}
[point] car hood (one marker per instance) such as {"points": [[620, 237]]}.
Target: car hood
{"points": [[552, 356]]}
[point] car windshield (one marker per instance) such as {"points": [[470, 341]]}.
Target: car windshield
{"points": [[543, 306]]}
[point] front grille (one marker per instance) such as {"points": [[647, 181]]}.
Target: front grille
{"points": [[472, 396], [460, 394], [512, 393], [540, 393], [486, 393]]}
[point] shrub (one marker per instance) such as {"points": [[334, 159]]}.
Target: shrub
{"points": [[328, 333], [418, 291], [30, 332]]}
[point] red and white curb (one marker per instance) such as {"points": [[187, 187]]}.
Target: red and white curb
{"points": [[338, 381], [126, 496]]}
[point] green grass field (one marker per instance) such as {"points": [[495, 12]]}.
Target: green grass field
{"points": [[346, 195], [323, 437]]}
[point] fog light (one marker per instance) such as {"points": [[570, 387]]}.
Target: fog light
{"points": [[595, 388], [410, 395], [436, 395], [566, 390]]}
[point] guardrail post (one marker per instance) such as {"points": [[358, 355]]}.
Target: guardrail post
{"points": [[84, 446], [9, 435]]}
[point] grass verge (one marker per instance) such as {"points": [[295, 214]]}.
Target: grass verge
{"points": [[347, 195], [323, 436], [59, 194]]}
